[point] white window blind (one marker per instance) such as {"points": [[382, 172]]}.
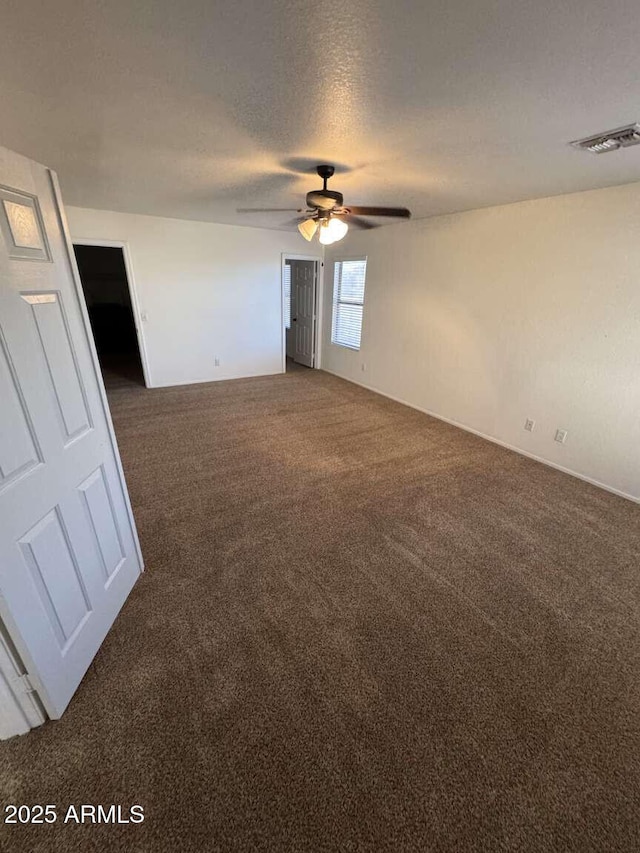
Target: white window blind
{"points": [[287, 295], [348, 302]]}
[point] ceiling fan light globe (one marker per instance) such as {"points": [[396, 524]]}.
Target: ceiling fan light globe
{"points": [[337, 228], [325, 235], [308, 228]]}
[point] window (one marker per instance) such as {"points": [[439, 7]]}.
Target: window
{"points": [[287, 295], [348, 302]]}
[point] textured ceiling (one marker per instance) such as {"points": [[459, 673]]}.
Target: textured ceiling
{"points": [[195, 108]]}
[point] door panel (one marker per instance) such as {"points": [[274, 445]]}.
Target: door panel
{"points": [[68, 548], [52, 564], [65, 382], [99, 506], [18, 450], [303, 284]]}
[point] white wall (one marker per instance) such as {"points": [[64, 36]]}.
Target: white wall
{"points": [[207, 291], [493, 316]]}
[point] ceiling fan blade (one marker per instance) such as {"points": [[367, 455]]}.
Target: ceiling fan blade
{"points": [[401, 212], [357, 222], [269, 210]]}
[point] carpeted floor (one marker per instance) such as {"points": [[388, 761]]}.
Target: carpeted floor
{"points": [[360, 629]]}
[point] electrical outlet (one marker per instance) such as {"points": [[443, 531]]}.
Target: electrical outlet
{"points": [[561, 435], [216, 362], [363, 367], [529, 425]]}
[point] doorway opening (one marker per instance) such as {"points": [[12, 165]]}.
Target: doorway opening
{"points": [[107, 291], [300, 298]]}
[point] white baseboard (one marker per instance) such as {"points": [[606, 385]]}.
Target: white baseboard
{"points": [[217, 379], [490, 438]]}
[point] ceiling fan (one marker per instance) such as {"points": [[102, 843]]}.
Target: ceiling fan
{"points": [[327, 215]]}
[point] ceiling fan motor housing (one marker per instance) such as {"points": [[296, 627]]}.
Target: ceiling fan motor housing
{"points": [[324, 199]]}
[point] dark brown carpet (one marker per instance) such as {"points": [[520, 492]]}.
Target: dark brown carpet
{"points": [[360, 629]]}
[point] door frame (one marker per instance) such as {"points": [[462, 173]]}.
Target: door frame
{"points": [[319, 303], [135, 306], [20, 707]]}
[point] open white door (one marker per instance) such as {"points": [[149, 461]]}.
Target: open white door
{"points": [[69, 554], [303, 287]]}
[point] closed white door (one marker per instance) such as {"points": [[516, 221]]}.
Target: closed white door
{"points": [[68, 548], [303, 286]]}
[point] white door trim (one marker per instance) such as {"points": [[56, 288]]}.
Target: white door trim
{"points": [[20, 708], [135, 306], [288, 256], [64, 225]]}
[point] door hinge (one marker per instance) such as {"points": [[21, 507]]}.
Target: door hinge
{"points": [[25, 683]]}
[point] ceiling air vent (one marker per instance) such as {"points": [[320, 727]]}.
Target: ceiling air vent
{"points": [[621, 137]]}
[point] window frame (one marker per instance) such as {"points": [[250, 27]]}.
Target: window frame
{"points": [[287, 303], [335, 301]]}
